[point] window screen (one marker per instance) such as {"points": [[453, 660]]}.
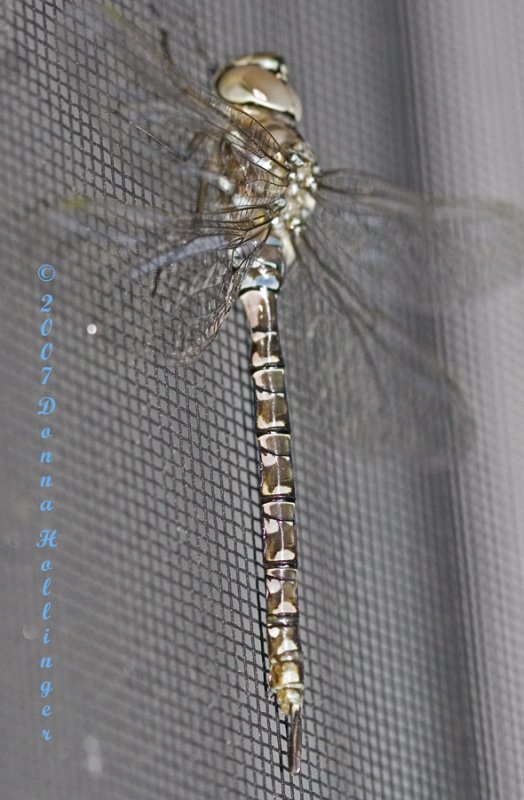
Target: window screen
{"points": [[411, 571]]}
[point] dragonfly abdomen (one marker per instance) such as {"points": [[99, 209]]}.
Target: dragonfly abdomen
{"points": [[277, 487]]}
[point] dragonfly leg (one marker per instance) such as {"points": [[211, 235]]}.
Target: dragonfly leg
{"points": [[164, 45], [202, 195], [154, 282]]}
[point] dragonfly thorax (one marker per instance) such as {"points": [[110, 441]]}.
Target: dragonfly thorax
{"points": [[258, 84], [299, 204]]}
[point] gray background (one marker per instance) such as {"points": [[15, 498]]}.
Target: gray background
{"points": [[411, 583]]}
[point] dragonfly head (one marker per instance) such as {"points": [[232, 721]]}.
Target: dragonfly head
{"points": [[258, 81]]}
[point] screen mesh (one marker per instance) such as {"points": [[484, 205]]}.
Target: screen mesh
{"points": [[410, 572]]}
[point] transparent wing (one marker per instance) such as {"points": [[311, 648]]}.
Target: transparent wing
{"points": [[384, 264], [157, 100], [365, 375], [170, 274], [166, 283], [195, 284], [415, 251]]}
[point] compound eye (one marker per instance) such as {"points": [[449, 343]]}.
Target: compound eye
{"points": [[254, 85], [269, 61]]}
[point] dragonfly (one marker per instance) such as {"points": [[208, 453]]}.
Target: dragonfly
{"points": [[265, 212]]}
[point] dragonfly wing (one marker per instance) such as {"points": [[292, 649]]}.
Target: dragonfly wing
{"points": [[373, 381], [416, 252], [166, 282], [193, 146], [195, 285], [375, 285], [180, 271], [159, 100]]}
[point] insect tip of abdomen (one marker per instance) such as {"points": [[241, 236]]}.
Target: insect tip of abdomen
{"points": [[294, 741]]}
